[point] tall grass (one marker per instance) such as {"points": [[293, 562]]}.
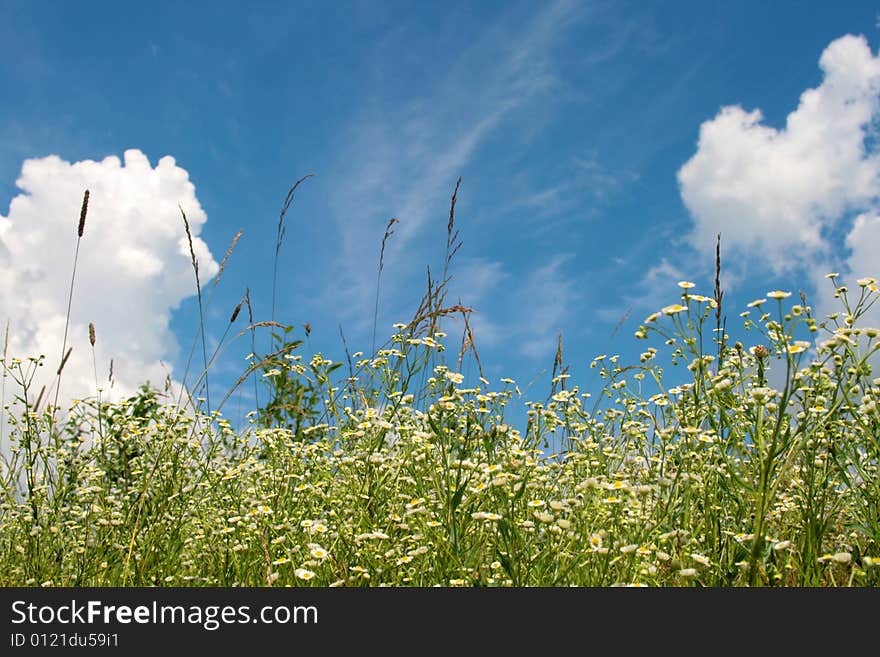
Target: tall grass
{"points": [[687, 468], [65, 353]]}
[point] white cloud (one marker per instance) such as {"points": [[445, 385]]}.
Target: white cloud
{"points": [[862, 245], [775, 194], [544, 303], [522, 313], [863, 241], [661, 279], [475, 283], [134, 267]]}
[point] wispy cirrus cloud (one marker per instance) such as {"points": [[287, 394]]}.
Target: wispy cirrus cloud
{"points": [[579, 188], [537, 304], [401, 157]]}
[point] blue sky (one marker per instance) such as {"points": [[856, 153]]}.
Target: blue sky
{"points": [[570, 123]]}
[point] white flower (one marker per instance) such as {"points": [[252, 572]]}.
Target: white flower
{"points": [[455, 377], [700, 559], [673, 309], [318, 552]]}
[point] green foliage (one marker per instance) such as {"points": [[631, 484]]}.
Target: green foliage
{"points": [[294, 397], [130, 417]]}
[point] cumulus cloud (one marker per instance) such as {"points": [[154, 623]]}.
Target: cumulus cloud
{"points": [[861, 245], [863, 242], [134, 267], [780, 194]]}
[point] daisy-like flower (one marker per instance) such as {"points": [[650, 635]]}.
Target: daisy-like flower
{"points": [[778, 294], [673, 309], [595, 542], [865, 282], [700, 559], [562, 396], [590, 483], [318, 552], [455, 377], [798, 347], [761, 394], [756, 303], [304, 574], [279, 562], [686, 285]]}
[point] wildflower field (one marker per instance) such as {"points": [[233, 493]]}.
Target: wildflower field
{"points": [[691, 467]]}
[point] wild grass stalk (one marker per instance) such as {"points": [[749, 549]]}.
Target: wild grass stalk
{"points": [[250, 309], [388, 233], [80, 229], [98, 389], [201, 331], [279, 238], [3, 376]]}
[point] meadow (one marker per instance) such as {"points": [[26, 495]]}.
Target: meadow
{"points": [[690, 467]]}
